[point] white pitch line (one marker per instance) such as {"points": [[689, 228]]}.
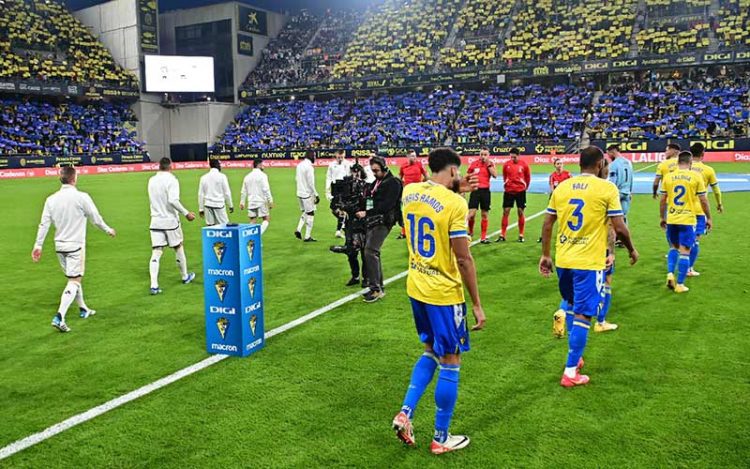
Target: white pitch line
{"points": [[94, 412]]}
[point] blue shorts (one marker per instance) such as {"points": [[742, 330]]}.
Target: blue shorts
{"points": [[443, 326], [584, 289], [700, 225], [625, 202], [681, 235]]}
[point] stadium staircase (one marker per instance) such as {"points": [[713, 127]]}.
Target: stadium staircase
{"points": [[640, 12], [450, 41], [713, 12]]}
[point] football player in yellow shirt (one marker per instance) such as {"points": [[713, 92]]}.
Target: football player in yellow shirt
{"points": [[666, 166], [683, 192], [584, 206], [440, 265], [710, 180]]}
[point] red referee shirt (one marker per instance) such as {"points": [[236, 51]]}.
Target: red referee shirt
{"points": [[412, 172], [556, 178], [483, 174], [517, 176]]}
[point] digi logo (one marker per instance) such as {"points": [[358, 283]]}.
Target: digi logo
{"points": [[218, 234]]}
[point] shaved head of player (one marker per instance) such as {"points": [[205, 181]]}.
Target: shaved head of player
{"points": [[68, 209]]}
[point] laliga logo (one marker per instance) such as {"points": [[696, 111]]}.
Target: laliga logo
{"points": [[219, 249], [221, 286], [251, 287], [250, 248], [253, 323], [222, 324]]}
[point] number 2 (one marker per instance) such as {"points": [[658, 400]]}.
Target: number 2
{"points": [[577, 213], [679, 194], [420, 234]]}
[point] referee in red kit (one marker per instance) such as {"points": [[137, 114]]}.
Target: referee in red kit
{"points": [[481, 197], [517, 177]]}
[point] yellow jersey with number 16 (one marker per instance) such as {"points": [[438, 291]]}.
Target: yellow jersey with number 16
{"points": [[433, 214], [583, 205], [683, 188]]}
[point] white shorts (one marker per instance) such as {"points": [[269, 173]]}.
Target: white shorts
{"points": [[307, 205], [73, 263], [216, 216], [164, 238], [257, 212]]}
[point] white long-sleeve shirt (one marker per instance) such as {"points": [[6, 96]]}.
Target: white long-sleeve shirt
{"points": [[306, 180], [255, 189], [213, 190], [336, 172], [164, 197], [68, 209]]}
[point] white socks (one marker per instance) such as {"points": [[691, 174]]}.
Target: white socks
{"points": [[309, 225], [66, 299], [302, 220], [79, 298], [153, 267], [263, 226], [181, 261]]}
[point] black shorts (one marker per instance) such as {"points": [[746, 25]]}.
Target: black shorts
{"points": [[480, 198], [518, 198]]}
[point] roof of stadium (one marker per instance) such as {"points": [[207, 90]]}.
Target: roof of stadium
{"points": [[271, 5]]}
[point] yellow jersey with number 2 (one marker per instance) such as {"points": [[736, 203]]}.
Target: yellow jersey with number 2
{"points": [[583, 205], [433, 214], [683, 188]]}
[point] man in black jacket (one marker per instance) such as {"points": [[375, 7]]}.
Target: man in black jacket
{"points": [[383, 207]]}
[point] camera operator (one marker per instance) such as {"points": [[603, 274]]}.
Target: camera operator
{"points": [[382, 211], [349, 199]]}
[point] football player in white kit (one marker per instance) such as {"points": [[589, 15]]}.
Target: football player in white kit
{"points": [[307, 196], [338, 169], [68, 209], [213, 195], [166, 208], [257, 192]]}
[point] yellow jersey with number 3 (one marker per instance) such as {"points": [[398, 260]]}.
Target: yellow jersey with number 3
{"points": [[583, 205], [433, 215], [709, 179], [683, 188]]}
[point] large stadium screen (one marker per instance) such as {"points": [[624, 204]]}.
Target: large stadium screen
{"points": [[179, 74]]}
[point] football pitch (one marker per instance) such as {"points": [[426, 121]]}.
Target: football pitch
{"points": [[670, 388]]}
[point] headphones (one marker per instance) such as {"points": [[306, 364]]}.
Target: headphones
{"points": [[380, 161]]}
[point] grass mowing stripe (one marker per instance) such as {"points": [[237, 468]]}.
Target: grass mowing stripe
{"points": [[94, 412]]}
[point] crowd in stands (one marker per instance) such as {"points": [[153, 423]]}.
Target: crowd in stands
{"points": [[31, 127], [329, 44], [670, 37], [402, 36], [479, 27], [674, 108], [571, 29], [523, 113], [734, 25], [281, 63], [41, 40], [664, 8]]}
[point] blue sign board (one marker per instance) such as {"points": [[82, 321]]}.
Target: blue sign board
{"points": [[233, 289]]}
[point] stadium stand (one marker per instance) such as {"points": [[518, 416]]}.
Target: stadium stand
{"points": [[666, 8], [479, 26], [401, 37], [281, 63], [570, 29], [523, 113], [33, 127], [329, 44], [734, 25], [674, 26], [40, 40], [711, 107]]}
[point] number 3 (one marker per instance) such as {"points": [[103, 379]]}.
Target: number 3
{"points": [[421, 235], [577, 213]]}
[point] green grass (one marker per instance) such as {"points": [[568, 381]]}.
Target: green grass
{"points": [[670, 388]]}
